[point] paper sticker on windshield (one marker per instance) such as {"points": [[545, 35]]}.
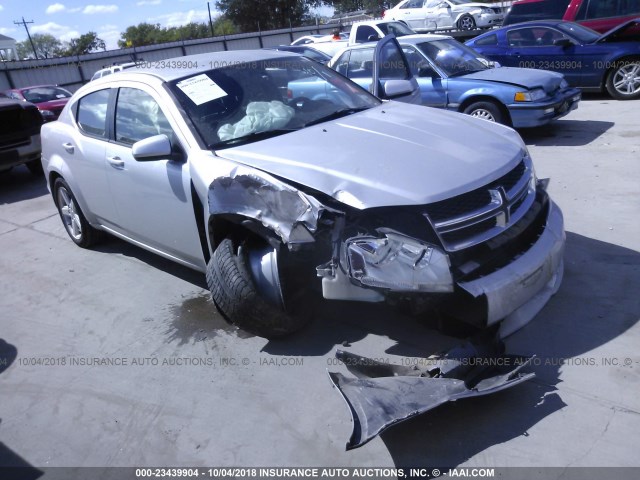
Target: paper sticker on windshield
{"points": [[201, 89]]}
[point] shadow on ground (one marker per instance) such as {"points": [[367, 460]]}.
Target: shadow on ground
{"points": [[566, 133], [19, 184]]}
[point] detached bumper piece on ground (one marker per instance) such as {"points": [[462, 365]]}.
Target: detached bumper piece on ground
{"points": [[383, 395]]}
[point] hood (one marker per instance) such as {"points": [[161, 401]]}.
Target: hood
{"points": [[633, 27], [522, 77], [393, 154]]}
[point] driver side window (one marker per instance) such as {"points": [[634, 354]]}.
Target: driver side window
{"points": [[138, 116]]}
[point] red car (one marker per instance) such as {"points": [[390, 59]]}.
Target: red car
{"points": [[50, 99], [599, 15]]}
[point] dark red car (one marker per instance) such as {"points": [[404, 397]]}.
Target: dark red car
{"points": [[50, 99]]}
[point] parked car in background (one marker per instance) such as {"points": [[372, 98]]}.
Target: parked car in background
{"points": [[306, 50], [50, 99], [599, 15], [588, 60], [350, 197], [455, 77], [20, 124], [430, 15], [103, 72]]}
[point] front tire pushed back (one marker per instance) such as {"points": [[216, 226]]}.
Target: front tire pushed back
{"points": [[74, 221], [235, 294]]}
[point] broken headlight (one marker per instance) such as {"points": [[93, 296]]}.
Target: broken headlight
{"points": [[398, 263]]}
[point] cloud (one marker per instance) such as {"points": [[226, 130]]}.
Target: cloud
{"points": [[110, 34], [148, 2], [61, 32], [56, 7], [93, 9], [177, 19]]}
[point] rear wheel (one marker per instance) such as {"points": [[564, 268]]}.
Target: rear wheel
{"points": [[74, 221], [623, 81], [466, 23], [486, 110], [245, 286]]}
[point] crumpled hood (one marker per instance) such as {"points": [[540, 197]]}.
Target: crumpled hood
{"points": [[466, 6], [524, 77], [394, 154]]}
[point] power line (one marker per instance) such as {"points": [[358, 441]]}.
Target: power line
{"points": [[24, 24]]}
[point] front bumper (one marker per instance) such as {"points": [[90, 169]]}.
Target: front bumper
{"points": [[517, 292], [535, 114], [24, 153], [489, 19]]}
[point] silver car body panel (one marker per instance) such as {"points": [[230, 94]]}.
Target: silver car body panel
{"points": [[360, 154]]}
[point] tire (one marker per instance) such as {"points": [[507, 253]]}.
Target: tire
{"points": [[466, 22], [486, 110], [74, 221], [623, 81], [235, 294], [35, 167]]}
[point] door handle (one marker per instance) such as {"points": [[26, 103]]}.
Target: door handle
{"points": [[68, 147], [116, 162]]}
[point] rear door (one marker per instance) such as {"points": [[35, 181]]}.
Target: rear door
{"points": [[413, 14]]}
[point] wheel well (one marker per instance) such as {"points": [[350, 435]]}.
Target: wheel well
{"points": [[486, 98], [53, 176], [237, 227]]}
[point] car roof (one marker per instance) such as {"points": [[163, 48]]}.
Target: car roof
{"points": [[193, 64]]}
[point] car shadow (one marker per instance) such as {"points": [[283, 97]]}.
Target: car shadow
{"points": [[565, 133], [19, 184], [113, 245], [11, 464], [595, 304]]}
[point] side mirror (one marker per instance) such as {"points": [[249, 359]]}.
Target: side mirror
{"points": [[153, 148], [563, 42], [396, 88], [373, 38]]}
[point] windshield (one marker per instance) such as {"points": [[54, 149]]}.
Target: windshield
{"points": [[452, 57], [252, 101], [461, 2], [45, 94], [399, 29], [577, 31]]}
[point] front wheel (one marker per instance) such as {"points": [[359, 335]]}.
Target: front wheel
{"points": [[74, 221], [466, 23], [623, 82], [251, 303], [485, 110]]}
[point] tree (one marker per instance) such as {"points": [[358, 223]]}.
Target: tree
{"points": [[141, 35], [86, 43], [376, 7], [47, 46], [250, 15]]}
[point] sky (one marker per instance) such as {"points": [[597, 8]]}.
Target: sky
{"points": [[70, 19]]}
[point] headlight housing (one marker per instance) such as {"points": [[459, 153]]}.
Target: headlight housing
{"points": [[530, 95], [398, 263], [486, 10], [47, 114]]}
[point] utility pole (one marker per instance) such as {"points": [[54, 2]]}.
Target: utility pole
{"points": [[24, 24], [210, 22]]}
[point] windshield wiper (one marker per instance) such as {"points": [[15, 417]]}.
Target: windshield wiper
{"points": [[466, 72], [337, 114], [251, 137]]}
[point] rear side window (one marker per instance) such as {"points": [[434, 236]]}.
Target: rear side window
{"points": [[364, 32], [488, 40], [591, 9], [361, 63], [92, 113], [542, 10]]}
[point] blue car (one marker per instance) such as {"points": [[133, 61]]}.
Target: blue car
{"points": [[455, 77], [588, 60]]}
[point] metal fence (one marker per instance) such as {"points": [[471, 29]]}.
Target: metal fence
{"points": [[73, 72]]}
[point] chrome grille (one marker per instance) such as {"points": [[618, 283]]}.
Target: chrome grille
{"points": [[483, 213]]}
